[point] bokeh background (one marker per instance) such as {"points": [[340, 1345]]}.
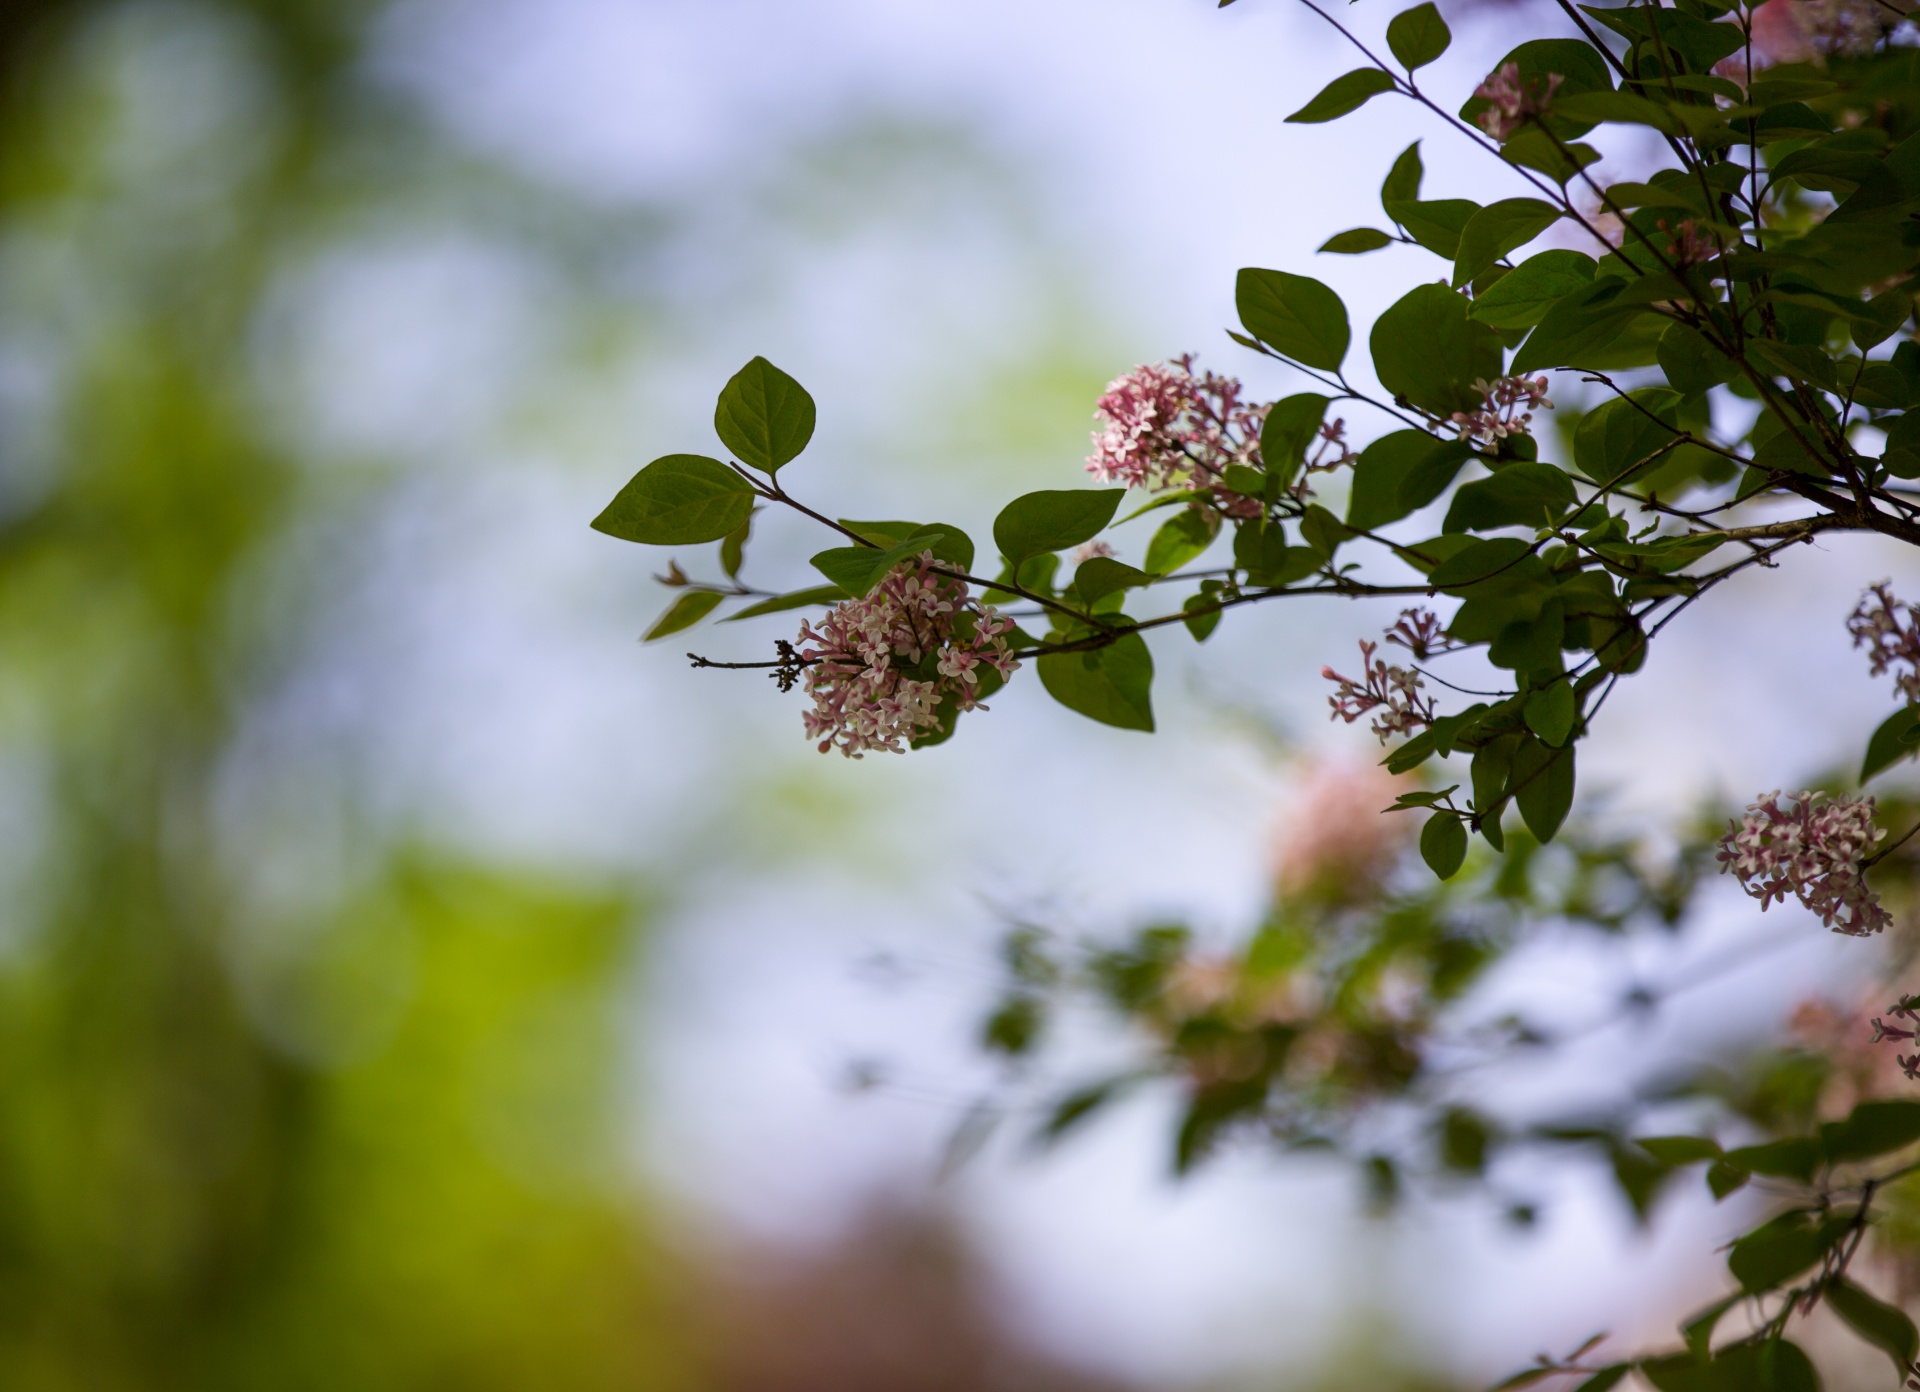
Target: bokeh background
{"points": [[410, 981]]}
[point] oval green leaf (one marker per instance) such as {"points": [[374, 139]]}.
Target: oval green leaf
{"points": [[1355, 241], [764, 416], [684, 612], [1443, 844], [1294, 315], [1052, 520], [1418, 36], [1112, 685], [1348, 92], [1426, 350], [678, 500]]}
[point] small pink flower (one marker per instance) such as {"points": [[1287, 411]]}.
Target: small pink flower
{"points": [[1421, 633], [1809, 846]]}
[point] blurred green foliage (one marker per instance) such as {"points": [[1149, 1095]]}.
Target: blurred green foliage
{"points": [[386, 1158]]}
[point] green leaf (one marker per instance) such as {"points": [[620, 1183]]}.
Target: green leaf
{"points": [[1884, 1326], [1356, 241], [1180, 539], [1776, 1252], [1872, 1128], [1526, 1377], [1290, 427], [764, 416], [1052, 520], [1616, 440], [1294, 315], [1520, 495], [1577, 333], [1418, 36], [1100, 576], [1896, 739], [1619, 107], [1428, 352], [1322, 531], [684, 612], [1794, 1158], [1519, 299], [1348, 92], [1543, 787], [678, 500], [1724, 1178], [1443, 844], [1465, 1139], [1678, 1150], [1771, 1366], [1435, 224], [1690, 362], [881, 534], [1498, 229], [1381, 471], [1497, 558], [1111, 685], [947, 543], [799, 599], [1403, 180], [1606, 1379], [1698, 1329], [857, 569], [1550, 713], [1202, 615], [733, 548]]}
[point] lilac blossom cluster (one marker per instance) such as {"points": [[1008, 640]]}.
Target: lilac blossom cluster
{"points": [[879, 667], [1507, 407], [1890, 632], [1512, 102], [1161, 426], [1393, 691], [1809, 846]]}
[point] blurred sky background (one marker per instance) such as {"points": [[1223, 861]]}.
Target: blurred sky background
{"points": [[325, 329]]}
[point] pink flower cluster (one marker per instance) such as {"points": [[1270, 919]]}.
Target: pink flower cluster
{"points": [[1507, 407], [879, 667], [1890, 632], [1513, 102], [1809, 846], [1161, 426], [1393, 691]]}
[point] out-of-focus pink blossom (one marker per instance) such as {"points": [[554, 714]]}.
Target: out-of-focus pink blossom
{"points": [[1802, 31], [880, 666], [1507, 407], [1091, 551], [1512, 102], [1809, 846], [1335, 841], [1890, 632], [1392, 691]]}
